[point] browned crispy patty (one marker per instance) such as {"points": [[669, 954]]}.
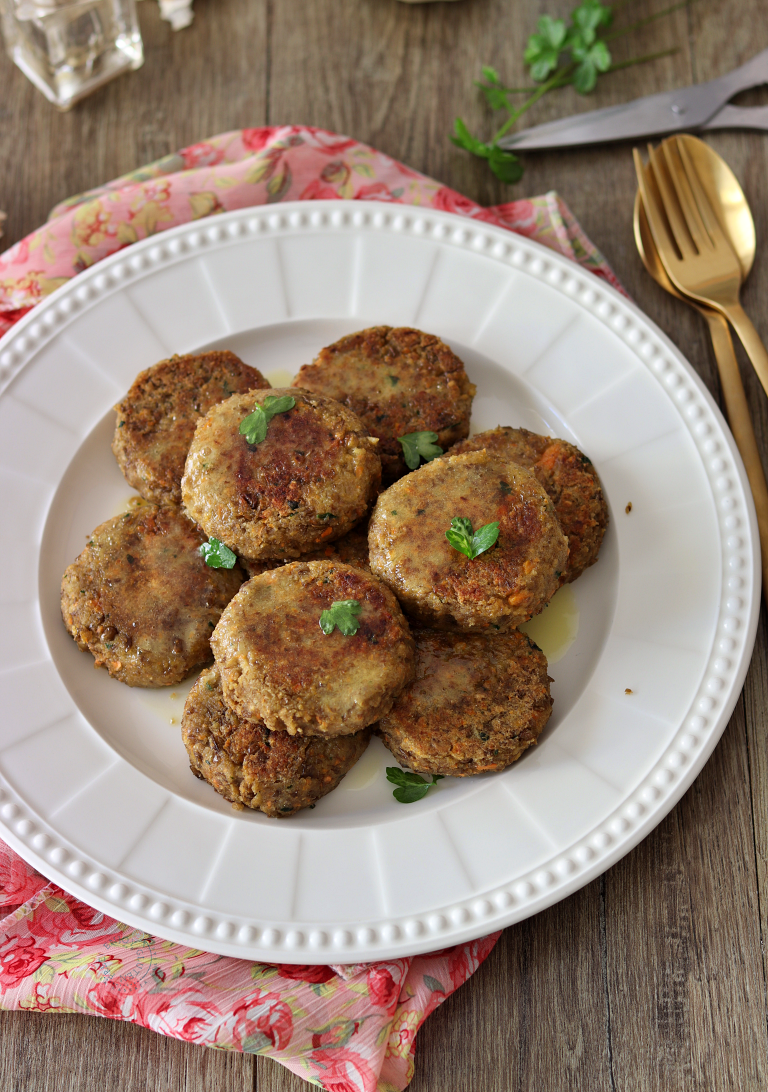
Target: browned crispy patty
{"points": [[277, 664], [156, 419], [435, 583], [141, 599], [569, 478], [247, 764], [307, 483], [351, 548], [397, 380], [476, 704]]}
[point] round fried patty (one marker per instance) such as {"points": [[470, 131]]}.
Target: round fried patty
{"points": [[438, 585], [277, 664], [476, 704], [156, 419], [141, 599], [306, 483], [398, 381], [272, 772], [351, 548], [569, 478]]}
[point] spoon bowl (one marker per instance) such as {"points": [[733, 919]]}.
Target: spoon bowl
{"points": [[727, 200]]}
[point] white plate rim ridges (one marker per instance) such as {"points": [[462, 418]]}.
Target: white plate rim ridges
{"points": [[348, 942]]}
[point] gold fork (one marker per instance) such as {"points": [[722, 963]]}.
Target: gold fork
{"points": [[693, 248]]}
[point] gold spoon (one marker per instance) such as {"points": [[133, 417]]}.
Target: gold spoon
{"points": [[730, 377]]}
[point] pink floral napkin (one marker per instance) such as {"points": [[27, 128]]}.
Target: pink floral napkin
{"points": [[343, 1028]]}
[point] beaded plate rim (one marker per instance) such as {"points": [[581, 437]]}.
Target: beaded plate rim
{"points": [[701, 727]]}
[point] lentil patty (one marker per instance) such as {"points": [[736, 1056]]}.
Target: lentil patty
{"points": [[438, 585], [307, 483], [156, 419], [397, 380], [141, 599], [251, 766], [569, 478], [476, 704], [277, 664]]}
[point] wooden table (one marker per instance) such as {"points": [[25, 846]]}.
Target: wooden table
{"points": [[653, 976]]}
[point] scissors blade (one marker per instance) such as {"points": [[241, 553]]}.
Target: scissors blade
{"points": [[667, 112]]}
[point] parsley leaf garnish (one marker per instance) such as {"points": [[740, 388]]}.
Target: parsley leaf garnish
{"points": [[462, 538], [410, 786], [342, 615], [217, 555], [254, 426], [417, 446]]}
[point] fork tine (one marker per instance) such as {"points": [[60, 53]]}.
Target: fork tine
{"points": [[677, 222], [685, 196], [708, 217], [657, 221]]}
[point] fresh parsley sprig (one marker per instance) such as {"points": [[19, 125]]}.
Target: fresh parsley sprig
{"points": [[410, 786], [254, 426], [341, 615], [463, 539], [217, 555], [557, 55], [588, 53], [417, 446]]}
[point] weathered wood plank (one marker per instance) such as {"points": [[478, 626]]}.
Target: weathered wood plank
{"points": [[533, 1017], [686, 985], [45, 1053]]}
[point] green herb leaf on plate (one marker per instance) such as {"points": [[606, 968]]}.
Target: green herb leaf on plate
{"points": [[341, 615], [417, 446], [254, 426], [463, 539], [217, 555], [410, 786]]}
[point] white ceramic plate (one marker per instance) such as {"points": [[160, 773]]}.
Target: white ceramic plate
{"points": [[95, 789]]}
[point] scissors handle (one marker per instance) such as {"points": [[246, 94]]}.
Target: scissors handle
{"points": [[739, 117], [751, 74]]}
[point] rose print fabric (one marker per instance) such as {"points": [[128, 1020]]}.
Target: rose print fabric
{"points": [[342, 1028], [244, 168]]}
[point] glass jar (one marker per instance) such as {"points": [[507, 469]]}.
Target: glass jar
{"points": [[68, 48]]}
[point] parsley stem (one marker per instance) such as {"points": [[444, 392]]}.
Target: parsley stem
{"points": [[643, 59], [548, 85], [512, 90], [644, 22], [632, 61]]}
